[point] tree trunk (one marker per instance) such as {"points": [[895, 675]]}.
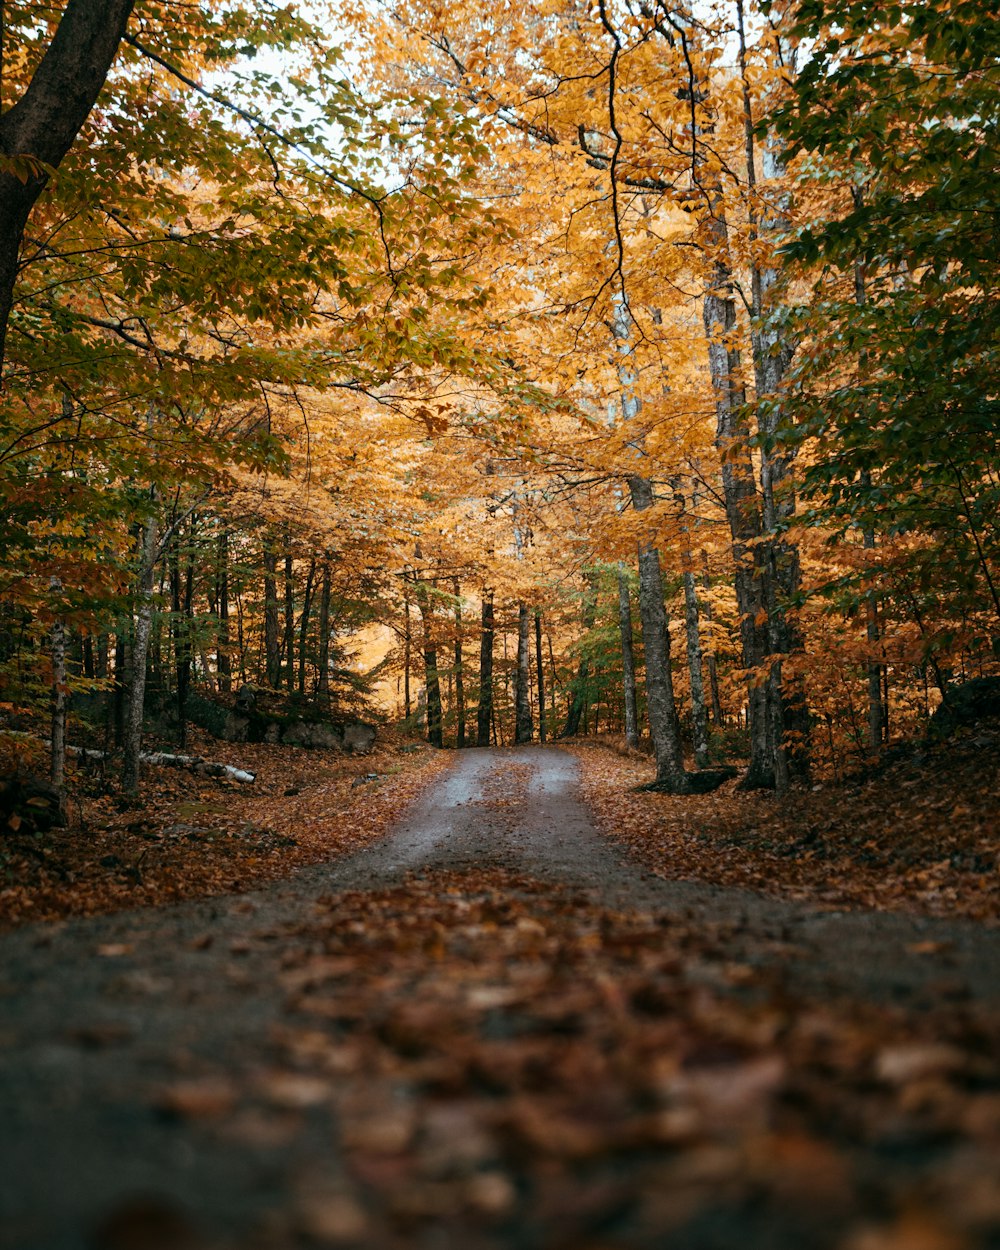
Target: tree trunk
{"points": [[742, 506], [307, 599], [44, 122], [628, 660], [101, 662], [540, 676], [135, 678], [223, 662], [459, 672], [182, 604], [484, 713], [876, 709], [289, 645], [89, 665], [671, 775], [772, 355], [407, 655], [523, 726], [57, 640], [710, 661], [272, 643], [323, 648], [435, 731], [699, 713]]}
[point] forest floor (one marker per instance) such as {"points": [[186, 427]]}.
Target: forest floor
{"points": [[193, 837], [918, 833], [490, 1030]]}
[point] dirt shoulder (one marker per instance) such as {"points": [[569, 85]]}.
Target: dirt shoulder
{"points": [[195, 837], [920, 836]]}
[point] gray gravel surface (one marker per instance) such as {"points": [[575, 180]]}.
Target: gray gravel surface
{"points": [[98, 1015]]}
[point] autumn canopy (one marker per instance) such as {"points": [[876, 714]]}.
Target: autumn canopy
{"points": [[513, 371]]}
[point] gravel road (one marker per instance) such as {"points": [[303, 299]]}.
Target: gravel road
{"points": [[120, 1125]]}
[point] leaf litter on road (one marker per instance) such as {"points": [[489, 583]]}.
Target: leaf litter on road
{"points": [[495, 1061]]}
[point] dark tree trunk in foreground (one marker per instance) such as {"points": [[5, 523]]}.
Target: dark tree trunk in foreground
{"points": [[484, 713], [628, 661], [523, 726], [44, 122]]}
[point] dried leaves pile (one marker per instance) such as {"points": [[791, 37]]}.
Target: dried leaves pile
{"points": [[496, 1062], [920, 835], [192, 837]]}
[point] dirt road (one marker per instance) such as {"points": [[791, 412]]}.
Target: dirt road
{"points": [[490, 1030]]}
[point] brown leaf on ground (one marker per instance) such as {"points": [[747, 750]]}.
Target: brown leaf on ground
{"points": [[919, 836]]}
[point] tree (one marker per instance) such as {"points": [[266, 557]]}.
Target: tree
{"points": [[39, 129], [897, 120]]}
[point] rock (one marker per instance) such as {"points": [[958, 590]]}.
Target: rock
{"points": [[359, 737], [272, 733], [235, 728], [311, 734]]}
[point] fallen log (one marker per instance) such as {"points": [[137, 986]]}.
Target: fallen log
{"points": [[204, 768], [197, 763]]}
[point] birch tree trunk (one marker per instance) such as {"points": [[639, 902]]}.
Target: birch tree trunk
{"points": [[628, 660], [743, 510], [772, 354], [523, 725], [661, 706], [484, 713]]}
